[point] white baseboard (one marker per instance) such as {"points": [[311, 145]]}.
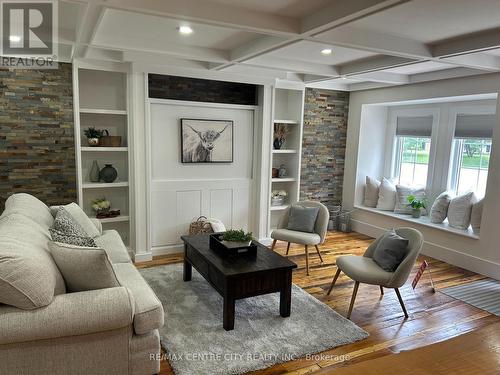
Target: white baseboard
{"points": [[143, 257], [167, 250], [439, 252]]}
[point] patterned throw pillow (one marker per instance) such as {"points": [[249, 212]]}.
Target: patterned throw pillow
{"points": [[68, 231]]}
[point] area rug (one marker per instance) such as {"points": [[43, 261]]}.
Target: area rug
{"points": [[483, 294], [196, 342]]}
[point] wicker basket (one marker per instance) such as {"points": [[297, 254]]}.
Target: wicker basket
{"points": [[110, 140], [200, 226]]}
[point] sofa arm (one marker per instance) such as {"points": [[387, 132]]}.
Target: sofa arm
{"points": [[69, 314]]}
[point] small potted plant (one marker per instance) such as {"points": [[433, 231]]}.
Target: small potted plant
{"points": [[237, 238], [278, 197], [416, 206], [101, 205], [93, 135]]}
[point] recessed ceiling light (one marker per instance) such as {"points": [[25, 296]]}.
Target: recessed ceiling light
{"points": [[326, 51], [185, 30], [14, 38]]}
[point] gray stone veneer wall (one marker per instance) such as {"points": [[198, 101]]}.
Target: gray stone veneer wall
{"points": [[37, 152], [323, 145]]}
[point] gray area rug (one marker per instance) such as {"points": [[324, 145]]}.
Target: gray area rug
{"points": [[483, 294], [196, 343]]}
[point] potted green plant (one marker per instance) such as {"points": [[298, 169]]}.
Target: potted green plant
{"points": [[416, 206], [237, 238], [278, 197], [93, 135], [101, 205]]}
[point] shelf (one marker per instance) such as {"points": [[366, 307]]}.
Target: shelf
{"points": [[284, 151], [286, 179], [104, 185], [279, 208], [104, 149], [289, 122], [104, 111], [115, 219]]}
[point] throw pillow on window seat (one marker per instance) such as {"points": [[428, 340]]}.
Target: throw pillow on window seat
{"points": [[439, 209], [371, 191], [386, 195], [402, 194], [460, 209], [476, 215]]}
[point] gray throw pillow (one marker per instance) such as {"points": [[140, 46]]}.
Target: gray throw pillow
{"points": [[439, 209], [390, 251], [302, 218], [83, 268], [67, 230]]}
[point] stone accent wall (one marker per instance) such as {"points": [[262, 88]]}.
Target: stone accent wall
{"points": [[37, 151], [201, 90], [323, 145]]}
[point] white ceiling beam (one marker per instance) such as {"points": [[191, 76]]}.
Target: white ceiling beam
{"points": [[375, 63], [87, 28], [382, 77], [104, 54], [342, 12], [369, 40], [212, 13], [277, 63], [368, 86], [444, 74], [159, 58], [477, 42], [481, 61]]}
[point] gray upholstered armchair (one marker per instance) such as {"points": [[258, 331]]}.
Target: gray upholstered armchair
{"points": [[304, 238], [365, 270]]}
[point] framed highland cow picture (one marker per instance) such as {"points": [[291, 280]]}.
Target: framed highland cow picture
{"points": [[206, 141]]}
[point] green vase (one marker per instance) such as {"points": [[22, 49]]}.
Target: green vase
{"points": [[94, 172], [108, 173]]}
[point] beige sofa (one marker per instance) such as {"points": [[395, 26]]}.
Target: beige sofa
{"points": [[106, 331]]}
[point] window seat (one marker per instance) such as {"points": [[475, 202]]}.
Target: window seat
{"points": [[423, 220]]}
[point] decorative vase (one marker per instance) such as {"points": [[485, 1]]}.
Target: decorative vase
{"points": [[94, 172], [282, 171], [275, 173], [278, 143], [277, 201], [93, 142], [416, 212], [108, 173]]}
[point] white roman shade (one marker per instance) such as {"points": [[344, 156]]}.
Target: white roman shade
{"points": [[475, 126], [417, 126]]}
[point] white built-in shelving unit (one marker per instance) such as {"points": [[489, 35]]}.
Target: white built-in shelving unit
{"points": [[101, 102], [288, 110]]}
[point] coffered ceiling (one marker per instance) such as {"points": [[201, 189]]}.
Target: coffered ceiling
{"points": [[373, 43]]}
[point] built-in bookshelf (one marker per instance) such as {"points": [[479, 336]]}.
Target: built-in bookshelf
{"points": [[101, 102], [288, 113]]}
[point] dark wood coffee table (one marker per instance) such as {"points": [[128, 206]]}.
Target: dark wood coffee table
{"points": [[240, 276]]}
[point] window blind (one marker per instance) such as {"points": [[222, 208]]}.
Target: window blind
{"points": [[418, 126], [475, 126]]}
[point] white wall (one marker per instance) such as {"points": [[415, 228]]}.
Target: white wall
{"points": [[182, 192], [481, 255]]}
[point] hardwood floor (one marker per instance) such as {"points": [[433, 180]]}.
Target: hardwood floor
{"points": [[433, 317]]}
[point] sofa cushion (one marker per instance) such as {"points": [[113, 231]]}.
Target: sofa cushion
{"points": [[112, 243], [402, 194], [302, 218], [476, 216], [371, 191], [24, 282], [386, 195], [67, 230], [390, 251], [22, 236], [439, 209], [83, 268], [148, 308], [29, 206], [82, 219], [460, 210]]}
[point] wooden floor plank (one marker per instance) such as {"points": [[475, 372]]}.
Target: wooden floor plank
{"points": [[434, 317]]}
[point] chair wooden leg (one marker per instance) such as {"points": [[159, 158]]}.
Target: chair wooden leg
{"points": [[353, 298], [334, 281], [273, 245], [287, 248], [381, 290], [401, 302], [307, 260], [319, 254]]}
